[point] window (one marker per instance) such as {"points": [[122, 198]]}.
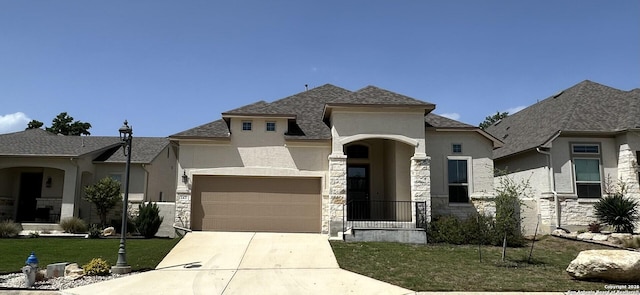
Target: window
{"points": [[586, 164], [588, 184], [246, 125], [456, 148], [271, 126], [458, 180]]}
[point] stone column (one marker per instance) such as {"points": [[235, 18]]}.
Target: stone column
{"points": [[421, 182], [627, 171], [337, 193]]}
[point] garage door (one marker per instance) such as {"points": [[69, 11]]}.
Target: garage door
{"points": [[269, 204]]}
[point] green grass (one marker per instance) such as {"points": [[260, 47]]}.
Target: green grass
{"points": [[142, 254], [458, 268]]}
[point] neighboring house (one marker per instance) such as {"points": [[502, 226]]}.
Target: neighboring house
{"points": [[42, 175], [327, 160], [567, 146]]}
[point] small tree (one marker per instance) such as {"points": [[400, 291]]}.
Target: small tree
{"points": [[104, 195], [508, 205]]}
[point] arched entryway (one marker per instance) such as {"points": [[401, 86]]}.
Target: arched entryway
{"points": [[378, 180]]}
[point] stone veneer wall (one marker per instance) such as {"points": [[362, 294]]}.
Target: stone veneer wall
{"points": [[337, 195], [420, 183], [183, 209]]}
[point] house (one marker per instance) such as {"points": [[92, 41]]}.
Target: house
{"points": [[567, 146], [42, 175], [329, 160]]}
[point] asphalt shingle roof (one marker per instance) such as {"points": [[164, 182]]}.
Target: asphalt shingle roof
{"points": [[38, 142], [584, 107], [308, 108], [433, 120]]}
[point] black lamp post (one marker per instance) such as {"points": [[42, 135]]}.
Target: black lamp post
{"points": [[121, 267]]}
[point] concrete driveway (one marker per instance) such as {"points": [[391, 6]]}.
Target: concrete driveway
{"points": [[246, 263]]}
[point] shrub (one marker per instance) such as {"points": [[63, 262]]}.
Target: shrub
{"points": [[618, 211], [97, 267], [475, 229], [117, 225], [94, 231], [594, 227], [73, 225], [9, 229], [508, 205], [148, 220]]}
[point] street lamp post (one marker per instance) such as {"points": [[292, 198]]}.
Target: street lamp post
{"points": [[121, 267]]}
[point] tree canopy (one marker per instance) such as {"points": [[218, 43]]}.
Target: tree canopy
{"points": [[63, 124], [490, 120]]}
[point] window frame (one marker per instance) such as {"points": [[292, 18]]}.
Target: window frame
{"points": [[249, 123], [468, 184], [586, 154]]}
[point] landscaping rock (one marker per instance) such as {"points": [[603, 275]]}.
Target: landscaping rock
{"points": [[585, 236], [614, 240], [73, 271], [607, 265], [621, 236], [558, 232], [600, 237], [109, 231]]}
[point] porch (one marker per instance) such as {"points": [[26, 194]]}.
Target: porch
{"points": [[391, 221]]}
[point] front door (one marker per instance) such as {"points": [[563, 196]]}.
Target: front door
{"points": [[358, 203], [30, 190]]}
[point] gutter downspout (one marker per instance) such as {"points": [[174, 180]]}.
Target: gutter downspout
{"points": [[552, 185]]}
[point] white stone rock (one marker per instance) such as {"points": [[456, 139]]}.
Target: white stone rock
{"points": [[585, 236], [607, 265], [600, 237], [558, 232], [621, 235], [109, 231]]}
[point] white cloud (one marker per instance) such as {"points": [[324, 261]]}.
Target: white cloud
{"points": [[514, 110], [452, 116], [13, 122]]}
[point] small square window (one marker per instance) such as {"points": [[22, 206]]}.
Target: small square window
{"points": [[456, 148], [246, 125], [271, 126]]}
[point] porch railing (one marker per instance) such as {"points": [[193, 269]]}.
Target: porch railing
{"points": [[384, 215]]}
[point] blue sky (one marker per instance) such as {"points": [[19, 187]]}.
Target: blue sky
{"points": [[167, 66]]}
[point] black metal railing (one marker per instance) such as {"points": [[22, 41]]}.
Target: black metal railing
{"points": [[384, 214]]}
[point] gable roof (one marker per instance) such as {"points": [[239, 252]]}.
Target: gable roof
{"points": [[437, 121], [38, 142], [41, 143], [586, 107], [143, 150], [307, 108]]}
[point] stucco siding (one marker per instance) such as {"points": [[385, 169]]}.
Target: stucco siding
{"points": [[478, 150]]}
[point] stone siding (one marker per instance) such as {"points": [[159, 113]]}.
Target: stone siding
{"points": [[420, 183], [337, 194], [183, 209]]}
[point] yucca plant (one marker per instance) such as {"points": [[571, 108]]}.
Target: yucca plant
{"points": [[617, 211]]}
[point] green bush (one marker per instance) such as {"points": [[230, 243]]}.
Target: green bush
{"points": [[97, 267], [73, 225], [117, 224], [475, 229], [94, 231], [9, 229], [149, 220], [618, 211]]}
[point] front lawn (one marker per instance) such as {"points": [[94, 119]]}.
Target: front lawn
{"points": [[142, 254], [441, 267]]}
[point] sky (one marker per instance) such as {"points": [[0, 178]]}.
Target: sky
{"points": [[168, 66]]}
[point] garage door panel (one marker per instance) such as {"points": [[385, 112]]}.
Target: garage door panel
{"points": [[256, 204]]}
